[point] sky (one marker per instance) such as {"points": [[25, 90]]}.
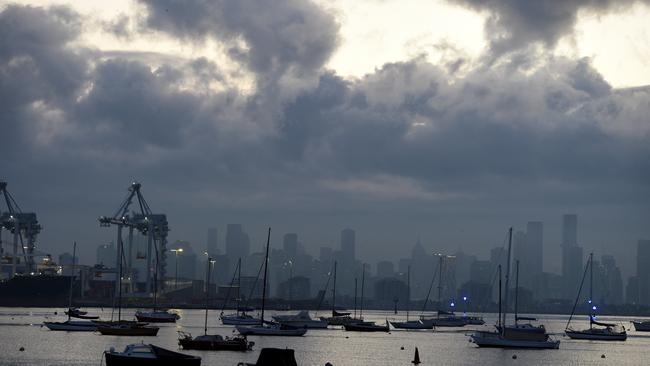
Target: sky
{"points": [[444, 120]]}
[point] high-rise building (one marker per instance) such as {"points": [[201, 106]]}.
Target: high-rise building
{"points": [[237, 244], [535, 248], [572, 255], [106, 255], [290, 245], [643, 271], [326, 254], [213, 241], [612, 281], [570, 230], [348, 244]]}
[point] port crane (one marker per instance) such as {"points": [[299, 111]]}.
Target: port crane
{"points": [[23, 225], [142, 220]]}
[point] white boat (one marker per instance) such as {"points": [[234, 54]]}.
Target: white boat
{"points": [[517, 335], [239, 318], [608, 332], [72, 326], [301, 320], [641, 326], [269, 328]]}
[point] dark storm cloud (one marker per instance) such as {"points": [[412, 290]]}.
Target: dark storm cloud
{"points": [[282, 35], [516, 24], [406, 138]]}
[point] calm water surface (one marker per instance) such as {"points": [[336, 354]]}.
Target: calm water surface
{"points": [[21, 327]]}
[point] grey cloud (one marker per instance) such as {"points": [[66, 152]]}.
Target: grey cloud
{"points": [[516, 24], [407, 139], [278, 36]]}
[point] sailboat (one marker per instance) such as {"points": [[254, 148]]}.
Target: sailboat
{"points": [[240, 317], [608, 332], [365, 326], [269, 328], [72, 325], [120, 327], [511, 336], [212, 342], [156, 315], [338, 317], [410, 324], [443, 318]]}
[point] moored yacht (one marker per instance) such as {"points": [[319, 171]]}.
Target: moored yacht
{"points": [[148, 355], [301, 320]]}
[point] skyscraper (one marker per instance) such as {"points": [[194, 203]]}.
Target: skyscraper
{"points": [[290, 245], [572, 255], [643, 271], [213, 241], [535, 247], [348, 238], [237, 245]]}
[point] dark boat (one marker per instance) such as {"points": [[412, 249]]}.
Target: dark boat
{"points": [[366, 327], [210, 342], [156, 316], [76, 313], [273, 357], [148, 355], [127, 330]]}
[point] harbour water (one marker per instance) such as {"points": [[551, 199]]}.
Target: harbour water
{"points": [[21, 327]]}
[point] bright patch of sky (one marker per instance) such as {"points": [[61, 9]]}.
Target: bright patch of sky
{"points": [[375, 32]]}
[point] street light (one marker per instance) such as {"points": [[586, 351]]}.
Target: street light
{"points": [[176, 251], [465, 307]]}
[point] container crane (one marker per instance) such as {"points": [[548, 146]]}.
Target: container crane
{"points": [[23, 225], [153, 226]]}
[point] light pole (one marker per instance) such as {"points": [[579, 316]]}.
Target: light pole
{"points": [[176, 251], [465, 303]]}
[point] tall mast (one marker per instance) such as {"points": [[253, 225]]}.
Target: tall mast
{"points": [[516, 291], [266, 267], [120, 249], [355, 298], [505, 297], [440, 281], [74, 253], [363, 283], [207, 297], [591, 289], [239, 285], [499, 321], [334, 292], [408, 289]]}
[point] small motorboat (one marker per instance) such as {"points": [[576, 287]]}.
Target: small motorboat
{"points": [[157, 316], [301, 320], [127, 329], [641, 326], [77, 313], [273, 357], [609, 333], [148, 355], [366, 327], [210, 342], [72, 326]]}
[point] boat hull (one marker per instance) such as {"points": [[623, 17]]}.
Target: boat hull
{"points": [[270, 331], [596, 336], [155, 319], [313, 324], [411, 325], [444, 322], [71, 326], [128, 331], [162, 357], [340, 320], [226, 320], [641, 326], [495, 340], [223, 345], [360, 327]]}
